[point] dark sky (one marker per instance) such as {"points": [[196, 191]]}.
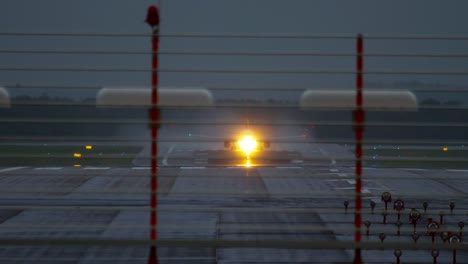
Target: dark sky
{"points": [[329, 17]]}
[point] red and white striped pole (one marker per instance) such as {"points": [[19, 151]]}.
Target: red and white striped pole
{"points": [[359, 130], [152, 19]]}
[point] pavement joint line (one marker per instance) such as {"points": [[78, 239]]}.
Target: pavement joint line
{"points": [[12, 169], [413, 169], [48, 168], [192, 168], [290, 167], [96, 168], [141, 168], [334, 170], [297, 161], [455, 170]]}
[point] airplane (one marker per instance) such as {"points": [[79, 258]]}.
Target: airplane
{"points": [[246, 142]]}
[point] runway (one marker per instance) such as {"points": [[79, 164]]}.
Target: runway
{"points": [[206, 196]]}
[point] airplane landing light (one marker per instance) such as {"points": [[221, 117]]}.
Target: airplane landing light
{"points": [[247, 164], [247, 144]]}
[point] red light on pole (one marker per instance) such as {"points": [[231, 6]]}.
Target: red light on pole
{"points": [[152, 16]]}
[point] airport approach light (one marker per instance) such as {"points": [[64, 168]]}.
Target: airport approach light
{"points": [[4, 98], [77, 155], [444, 149], [133, 97], [376, 100], [88, 147]]}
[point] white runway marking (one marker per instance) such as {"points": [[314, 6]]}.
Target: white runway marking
{"points": [[325, 153], [334, 170], [166, 156], [297, 161], [412, 169], [96, 168], [49, 168], [291, 167], [352, 182], [363, 190], [192, 168], [12, 169], [141, 168], [454, 170]]}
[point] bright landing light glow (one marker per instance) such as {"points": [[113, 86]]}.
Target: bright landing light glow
{"points": [[247, 164], [247, 144]]}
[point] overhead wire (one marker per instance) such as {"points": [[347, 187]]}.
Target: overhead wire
{"points": [[338, 194]]}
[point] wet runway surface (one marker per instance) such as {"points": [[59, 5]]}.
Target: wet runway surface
{"points": [[292, 193]]}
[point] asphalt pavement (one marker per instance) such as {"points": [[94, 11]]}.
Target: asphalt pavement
{"points": [[292, 194]]}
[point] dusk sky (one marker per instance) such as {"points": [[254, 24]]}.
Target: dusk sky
{"points": [[316, 17]]}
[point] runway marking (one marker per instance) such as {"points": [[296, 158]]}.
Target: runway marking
{"points": [[141, 168], [12, 169], [334, 170], [412, 169], [364, 190], [454, 170], [325, 153], [96, 168], [297, 161], [291, 167], [49, 168], [166, 156], [192, 168], [352, 182]]}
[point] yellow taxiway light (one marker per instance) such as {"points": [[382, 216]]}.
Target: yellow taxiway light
{"points": [[247, 144], [445, 149], [89, 147], [77, 165], [77, 155]]}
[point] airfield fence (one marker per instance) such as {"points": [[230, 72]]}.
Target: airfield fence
{"points": [[35, 121]]}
